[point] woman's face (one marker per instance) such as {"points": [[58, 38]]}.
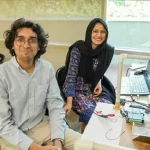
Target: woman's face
{"points": [[98, 35]]}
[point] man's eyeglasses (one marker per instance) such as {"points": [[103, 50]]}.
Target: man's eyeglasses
{"points": [[32, 41]]}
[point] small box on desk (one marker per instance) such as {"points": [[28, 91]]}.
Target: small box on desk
{"points": [[135, 117]]}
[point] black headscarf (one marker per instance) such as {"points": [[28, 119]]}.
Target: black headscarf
{"points": [[103, 53]]}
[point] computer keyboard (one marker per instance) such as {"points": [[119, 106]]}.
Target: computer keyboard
{"points": [[134, 85], [138, 84]]}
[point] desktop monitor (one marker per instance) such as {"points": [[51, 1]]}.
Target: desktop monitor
{"points": [[84, 144]]}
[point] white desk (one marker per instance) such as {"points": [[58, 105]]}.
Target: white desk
{"points": [[97, 130]]}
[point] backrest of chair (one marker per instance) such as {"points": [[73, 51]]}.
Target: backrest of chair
{"points": [[109, 88], [60, 77], [2, 57]]}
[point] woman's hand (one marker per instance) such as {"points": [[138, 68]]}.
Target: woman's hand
{"points": [[67, 107], [97, 91]]}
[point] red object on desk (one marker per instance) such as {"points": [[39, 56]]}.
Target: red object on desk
{"points": [[103, 115], [111, 115]]}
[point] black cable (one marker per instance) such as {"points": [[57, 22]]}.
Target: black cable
{"points": [[133, 100]]}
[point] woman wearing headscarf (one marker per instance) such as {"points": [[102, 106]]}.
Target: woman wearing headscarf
{"points": [[86, 63]]}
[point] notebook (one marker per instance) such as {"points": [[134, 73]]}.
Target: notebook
{"points": [[137, 84]]}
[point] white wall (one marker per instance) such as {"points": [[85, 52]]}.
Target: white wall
{"points": [[61, 31]]}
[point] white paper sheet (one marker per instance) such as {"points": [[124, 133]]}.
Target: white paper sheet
{"points": [[102, 130]]}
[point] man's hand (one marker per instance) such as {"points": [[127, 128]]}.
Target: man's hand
{"points": [[35, 146], [67, 107], [97, 91], [58, 144]]}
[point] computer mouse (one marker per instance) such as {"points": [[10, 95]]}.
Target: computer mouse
{"points": [[141, 72]]}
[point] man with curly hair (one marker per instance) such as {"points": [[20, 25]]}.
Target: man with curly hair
{"points": [[27, 87]]}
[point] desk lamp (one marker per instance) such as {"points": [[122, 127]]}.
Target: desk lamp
{"points": [[121, 59]]}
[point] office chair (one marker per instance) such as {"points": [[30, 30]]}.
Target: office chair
{"points": [[2, 57], [60, 77], [107, 86], [108, 89]]}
